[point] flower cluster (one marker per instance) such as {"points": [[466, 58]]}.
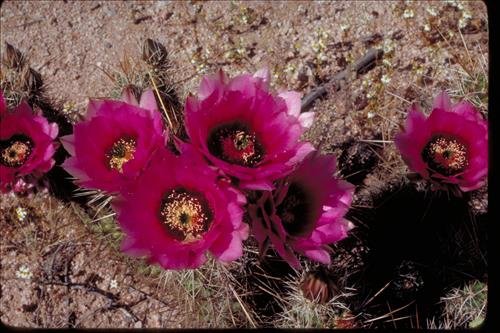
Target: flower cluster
{"points": [[243, 167], [27, 146], [243, 141]]}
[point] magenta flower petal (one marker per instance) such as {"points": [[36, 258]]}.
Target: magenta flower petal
{"points": [[319, 255], [129, 97], [3, 105], [292, 100], [264, 75], [148, 101], [305, 213], [228, 249], [245, 131], [442, 101], [177, 218], [448, 147], [212, 83], [112, 147], [27, 144]]}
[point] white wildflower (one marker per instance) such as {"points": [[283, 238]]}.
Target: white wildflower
{"points": [[452, 3], [21, 213], [322, 34], [408, 13], [427, 27], [432, 11], [385, 79], [24, 273], [113, 284], [462, 23], [241, 51], [344, 27], [315, 46], [388, 46], [290, 68], [370, 115]]}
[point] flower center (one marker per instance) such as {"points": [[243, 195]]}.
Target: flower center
{"points": [[16, 150], [120, 153], [185, 215], [446, 155], [293, 210], [236, 144]]}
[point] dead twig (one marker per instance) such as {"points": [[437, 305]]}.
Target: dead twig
{"points": [[360, 66]]}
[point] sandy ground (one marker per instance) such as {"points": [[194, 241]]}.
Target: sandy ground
{"points": [[427, 46]]}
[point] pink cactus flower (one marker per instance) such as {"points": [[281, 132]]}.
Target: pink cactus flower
{"points": [[450, 147], [27, 144], [245, 131], [177, 218], [114, 144], [305, 213]]}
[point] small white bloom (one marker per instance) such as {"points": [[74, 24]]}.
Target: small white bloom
{"points": [[290, 68], [369, 94], [432, 11], [228, 54], [370, 115], [408, 13], [315, 46], [322, 34], [344, 27], [240, 51], [388, 46], [385, 79], [427, 27], [322, 57], [24, 273], [466, 15], [113, 284], [201, 68], [21, 213], [462, 23]]}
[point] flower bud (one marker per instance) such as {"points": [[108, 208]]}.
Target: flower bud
{"points": [[154, 53]]}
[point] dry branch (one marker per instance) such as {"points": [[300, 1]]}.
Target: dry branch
{"points": [[360, 66]]}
